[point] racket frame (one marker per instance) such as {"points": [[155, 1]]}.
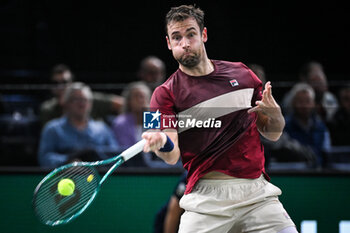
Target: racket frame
{"points": [[119, 159]]}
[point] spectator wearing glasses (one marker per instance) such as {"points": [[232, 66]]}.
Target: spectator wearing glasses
{"points": [[75, 136], [326, 104], [305, 125], [103, 104]]}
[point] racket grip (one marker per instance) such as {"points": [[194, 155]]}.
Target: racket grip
{"points": [[133, 150]]}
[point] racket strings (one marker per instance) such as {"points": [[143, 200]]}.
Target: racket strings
{"points": [[51, 206], [54, 209], [49, 188]]}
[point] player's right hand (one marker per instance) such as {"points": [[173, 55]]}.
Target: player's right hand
{"points": [[154, 141]]}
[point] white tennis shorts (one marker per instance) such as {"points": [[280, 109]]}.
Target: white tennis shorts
{"points": [[233, 205]]}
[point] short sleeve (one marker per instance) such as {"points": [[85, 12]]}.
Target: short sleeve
{"points": [[163, 100]]}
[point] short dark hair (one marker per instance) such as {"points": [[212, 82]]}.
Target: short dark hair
{"points": [[184, 12], [306, 68], [59, 69]]}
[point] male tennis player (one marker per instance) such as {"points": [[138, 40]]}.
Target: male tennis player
{"points": [[227, 188]]}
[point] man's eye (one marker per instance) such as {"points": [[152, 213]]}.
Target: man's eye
{"points": [[176, 37]]}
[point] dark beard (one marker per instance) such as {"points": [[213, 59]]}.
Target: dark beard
{"points": [[189, 61]]}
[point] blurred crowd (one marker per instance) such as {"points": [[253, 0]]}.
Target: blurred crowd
{"points": [[80, 124], [316, 122]]}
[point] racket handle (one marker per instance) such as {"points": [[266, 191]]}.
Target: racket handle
{"points": [[133, 150]]}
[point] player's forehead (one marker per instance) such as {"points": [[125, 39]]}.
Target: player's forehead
{"points": [[182, 26]]}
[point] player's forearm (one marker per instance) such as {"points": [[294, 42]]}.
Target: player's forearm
{"points": [[273, 127], [170, 157]]}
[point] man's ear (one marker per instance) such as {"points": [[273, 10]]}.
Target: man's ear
{"points": [[204, 35], [168, 42]]}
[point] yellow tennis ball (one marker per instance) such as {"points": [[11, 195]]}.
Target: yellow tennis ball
{"points": [[66, 187], [90, 177]]}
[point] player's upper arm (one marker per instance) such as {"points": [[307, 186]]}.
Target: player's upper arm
{"points": [[162, 100]]}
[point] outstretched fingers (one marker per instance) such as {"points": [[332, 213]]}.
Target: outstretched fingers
{"points": [[258, 108]]}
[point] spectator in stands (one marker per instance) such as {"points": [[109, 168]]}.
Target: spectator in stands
{"points": [[304, 125], [75, 136], [339, 125], [286, 149], [167, 219], [128, 126], [152, 71], [61, 76], [259, 71], [326, 103], [288, 153]]}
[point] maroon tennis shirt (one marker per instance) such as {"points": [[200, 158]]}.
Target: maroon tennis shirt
{"points": [[226, 138]]}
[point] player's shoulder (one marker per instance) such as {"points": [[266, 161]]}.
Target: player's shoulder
{"points": [[239, 68], [169, 85], [230, 64], [161, 90], [229, 67], [173, 79]]}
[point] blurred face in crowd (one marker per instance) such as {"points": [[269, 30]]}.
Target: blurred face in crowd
{"points": [[139, 100], [186, 42], [78, 105], [259, 71], [152, 71], [61, 80], [303, 104], [318, 80], [261, 75]]}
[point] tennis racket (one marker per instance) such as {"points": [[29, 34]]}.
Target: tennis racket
{"points": [[53, 209]]}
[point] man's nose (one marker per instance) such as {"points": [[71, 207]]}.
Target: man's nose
{"points": [[185, 43]]}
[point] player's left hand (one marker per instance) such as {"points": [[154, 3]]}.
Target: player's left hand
{"points": [[267, 105]]}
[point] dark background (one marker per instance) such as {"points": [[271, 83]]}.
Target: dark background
{"points": [[103, 42]]}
